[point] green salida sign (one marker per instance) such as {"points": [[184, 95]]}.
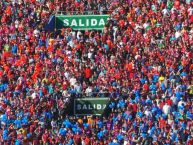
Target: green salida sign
{"points": [[82, 22], [90, 106]]}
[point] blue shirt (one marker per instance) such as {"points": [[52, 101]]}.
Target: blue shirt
{"points": [[18, 142], [173, 136], [48, 115], [3, 87], [179, 95], [86, 125], [113, 143], [67, 123], [152, 130], [148, 101], [115, 119], [137, 93], [70, 142], [144, 128], [142, 81], [17, 123], [153, 87], [120, 137], [121, 104], [5, 134], [106, 47], [41, 43], [24, 120], [75, 130], [114, 84], [163, 87], [189, 115], [155, 78], [14, 49], [50, 89], [62, 131], [100, 124], [183, 74], [100, 135], [140, 114], [178, 26], [125, 116], [29, 135], [4, 118], [112, 105], [41, 93]]}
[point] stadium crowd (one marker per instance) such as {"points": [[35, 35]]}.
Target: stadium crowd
{"points": [[142, 61]]}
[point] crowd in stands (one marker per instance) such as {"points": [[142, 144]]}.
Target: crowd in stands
{"points": [[142, 61]]}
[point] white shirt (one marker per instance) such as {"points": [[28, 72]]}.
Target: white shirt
{"points": [[53, 123], [164, 11], [36, 33], [33, 95], [173, 10], [88, 90], [125, 142], [180, 103], [20, 80], [89, 55], [188, 1], [78, 34], [65, 94], [72, 81], [166, 109], [174, 100], [66, 74], [190, 11], [148, 113], [145, 25], [177, 34], [83, 143], [71, 43], [78, 88], [16, 24]]}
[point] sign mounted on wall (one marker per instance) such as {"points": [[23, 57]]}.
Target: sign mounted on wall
{"points": [[82, 22], [90, 106]]}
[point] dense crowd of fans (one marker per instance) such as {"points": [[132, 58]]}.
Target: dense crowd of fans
{"points": [[142, 60]]}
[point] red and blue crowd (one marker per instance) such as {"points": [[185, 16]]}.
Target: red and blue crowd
{"points": [[142, 61]]}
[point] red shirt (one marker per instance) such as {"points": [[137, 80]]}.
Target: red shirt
{"points": [[87, 141], [190, 142], [88, 73], [169, 102], [162, 123], [134, 106], [77, 139], [162, 104], [45, 137], [146, 87], [191, 19]]}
